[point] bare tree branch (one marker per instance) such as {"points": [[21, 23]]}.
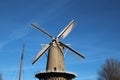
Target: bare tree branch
{"points": [[110, 70]]}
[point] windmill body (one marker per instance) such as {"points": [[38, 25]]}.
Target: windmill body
{"points": [[55, 60], [55, 68]]}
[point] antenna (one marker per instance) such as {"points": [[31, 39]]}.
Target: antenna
{"points": [[21, 62]]}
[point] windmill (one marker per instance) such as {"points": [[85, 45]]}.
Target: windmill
{"points": [[55, 68]]}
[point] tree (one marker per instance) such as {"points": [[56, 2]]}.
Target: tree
{"points": [[110, 70], [1, 76]]}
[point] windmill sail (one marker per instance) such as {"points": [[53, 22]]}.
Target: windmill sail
{"points": [[67, 30], [21, 62], [41, 53], [72, 50], [43, 31]]}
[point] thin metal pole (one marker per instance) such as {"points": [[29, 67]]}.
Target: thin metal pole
{"points": [[21, 62]]}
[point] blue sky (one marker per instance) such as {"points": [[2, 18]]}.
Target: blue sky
{"points": [[96, 34]]}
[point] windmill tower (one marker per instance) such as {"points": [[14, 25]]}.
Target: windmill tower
{"points": [[55, 68]]}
